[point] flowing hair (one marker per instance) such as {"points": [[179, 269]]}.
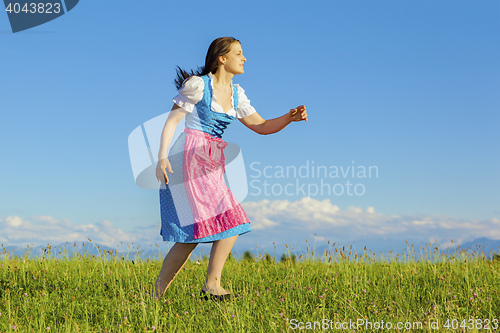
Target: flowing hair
{"points": [[219, 47]]}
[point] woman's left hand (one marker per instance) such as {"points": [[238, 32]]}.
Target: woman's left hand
{"points": [[299, 113]]}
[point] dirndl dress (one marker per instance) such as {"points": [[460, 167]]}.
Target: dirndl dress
{"points": [[197, 206]]}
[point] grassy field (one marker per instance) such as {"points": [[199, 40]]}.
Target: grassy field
{"points": [[341, 291]]}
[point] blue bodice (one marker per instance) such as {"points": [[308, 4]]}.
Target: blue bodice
{"points": [[203, 118]]}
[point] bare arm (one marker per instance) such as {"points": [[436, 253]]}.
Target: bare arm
{"points": [[262, 126], [175, 116]]}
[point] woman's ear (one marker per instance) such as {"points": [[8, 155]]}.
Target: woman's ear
{"points": [[222, 59]]}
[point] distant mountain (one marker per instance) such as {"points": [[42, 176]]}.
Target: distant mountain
{"points": [[485, 245], [78, 248], [388, 248], [384, 248]]}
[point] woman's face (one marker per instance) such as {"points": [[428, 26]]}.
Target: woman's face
{"points": [[234, 59]]}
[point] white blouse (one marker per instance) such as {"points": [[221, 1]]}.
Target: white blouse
{"points": [[192, 92]]}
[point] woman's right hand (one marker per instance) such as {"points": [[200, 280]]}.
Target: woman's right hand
{"points": [[161, 174]]}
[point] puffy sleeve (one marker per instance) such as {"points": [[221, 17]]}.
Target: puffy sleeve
{"points": [[190, 93], [244, 107]]}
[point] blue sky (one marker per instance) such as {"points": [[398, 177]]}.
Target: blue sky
{"points": [[411, 87]]}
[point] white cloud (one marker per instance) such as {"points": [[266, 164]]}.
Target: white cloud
{"points": [[48, 219], [14, 221], [276, 222], [42, 230], [321, 219]]}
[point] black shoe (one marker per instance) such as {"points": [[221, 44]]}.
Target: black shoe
{"points": [[205, 295]]}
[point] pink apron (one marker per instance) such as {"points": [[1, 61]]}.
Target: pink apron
{"points": [[213, 205]]}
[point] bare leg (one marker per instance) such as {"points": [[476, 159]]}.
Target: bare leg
{"points": [[218, 255], [173, 262]]}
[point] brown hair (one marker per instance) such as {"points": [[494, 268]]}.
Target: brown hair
{"points": [[219, 47]]}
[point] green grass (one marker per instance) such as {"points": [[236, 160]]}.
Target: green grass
{"points": [[108, 294]]}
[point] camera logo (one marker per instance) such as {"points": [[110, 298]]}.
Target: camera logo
{"points": [[144, 145], [26, 14]]}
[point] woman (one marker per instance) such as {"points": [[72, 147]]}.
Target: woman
{"points": [[196, 204]]}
